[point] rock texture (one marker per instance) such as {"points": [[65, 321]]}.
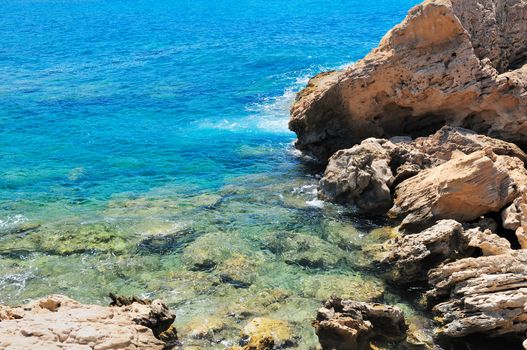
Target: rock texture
{"points": [[485, 295], [350, 325], [365, 174], [57, 322], [458, 62], [463, 189]]}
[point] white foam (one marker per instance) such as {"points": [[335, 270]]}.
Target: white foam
{"points": [[12, 221], [316, 203]]}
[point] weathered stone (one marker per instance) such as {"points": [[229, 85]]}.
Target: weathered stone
{"points": [[486, 295], [350, 325], [458, 62], [462, 189], [57, 322]]}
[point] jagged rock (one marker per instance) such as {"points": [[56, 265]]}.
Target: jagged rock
{"points": [[486, 295], [57, 322], [515, 218], [365, 174], [458, 62], [350, 325], [463, 189]]}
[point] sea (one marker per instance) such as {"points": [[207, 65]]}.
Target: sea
{"points": [[144, 151]]}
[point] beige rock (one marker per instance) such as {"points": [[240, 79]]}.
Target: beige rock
{"points": [[487, 295], [462, 189], [458, 62], [365, 174], [57, 322]]}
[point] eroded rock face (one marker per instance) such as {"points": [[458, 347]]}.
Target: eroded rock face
{"points": [[365, 174], [485, 295], [350, 325], [57, 322], [463, 189], [457, 62]]}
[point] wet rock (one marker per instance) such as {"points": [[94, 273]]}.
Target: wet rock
{"points": [[263, 333], [462, 189], [350, 325], [452, 62], [357, 287], [203, 327], [304, 250], [483, 295], [59, 322], [239, 270]]}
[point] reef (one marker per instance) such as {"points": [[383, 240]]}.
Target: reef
{"points": [[428, 131]]}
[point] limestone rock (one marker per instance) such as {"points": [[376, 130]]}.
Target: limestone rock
{"points": [[457, 62], [486, 295], [462, 189], [365, 174], [350, 325], [57, 322]]}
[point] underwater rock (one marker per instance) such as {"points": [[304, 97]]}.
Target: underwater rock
{"points": [[57, 322], [463, 189], [238, 270], [357, 287], [304, 250], [483, 295], [458, 62], [263, 333], [203, 327], [351, 325]]}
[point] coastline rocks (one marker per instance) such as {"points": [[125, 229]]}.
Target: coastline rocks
{"points": [[350, 325], [57, 322], [463, 189], [485, 295], [366, 174], [452, 62]]}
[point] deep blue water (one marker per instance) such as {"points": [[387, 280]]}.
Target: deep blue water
{"points": [[105, 101]]}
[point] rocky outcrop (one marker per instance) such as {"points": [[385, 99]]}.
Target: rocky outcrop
{"points": [[57, 322], [454, 62], [485, 295], [366, 174], [351, 325], [263, 333], [463, 189]]}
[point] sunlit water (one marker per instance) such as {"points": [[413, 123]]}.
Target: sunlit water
{"points": [[144, 151]]}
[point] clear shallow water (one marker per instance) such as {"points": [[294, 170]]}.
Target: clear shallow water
{"points": [[145, 150]]}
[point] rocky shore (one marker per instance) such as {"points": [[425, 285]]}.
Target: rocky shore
{"points": [[428, 129]]}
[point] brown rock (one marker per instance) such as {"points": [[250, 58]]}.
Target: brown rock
{"points": [[266, 334], [462, 189], [350, 325], [57, 322], [458, 62]]}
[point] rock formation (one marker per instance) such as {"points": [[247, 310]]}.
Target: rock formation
{"points": [[366, 174], [57, 322], [451, 62], [463, 189], [351, 325]]}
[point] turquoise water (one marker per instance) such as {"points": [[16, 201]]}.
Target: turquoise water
{"points": [[145, 150]]}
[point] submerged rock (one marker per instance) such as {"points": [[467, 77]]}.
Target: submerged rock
{"points": [[57, 322], [350, 325], [357, 287], [458, 62], [263, 333], [462, 189]]}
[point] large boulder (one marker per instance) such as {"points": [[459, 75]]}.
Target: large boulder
{"points": [[351, 325], [366, 174], [57, 322], [462, 189], [458, 62]]}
